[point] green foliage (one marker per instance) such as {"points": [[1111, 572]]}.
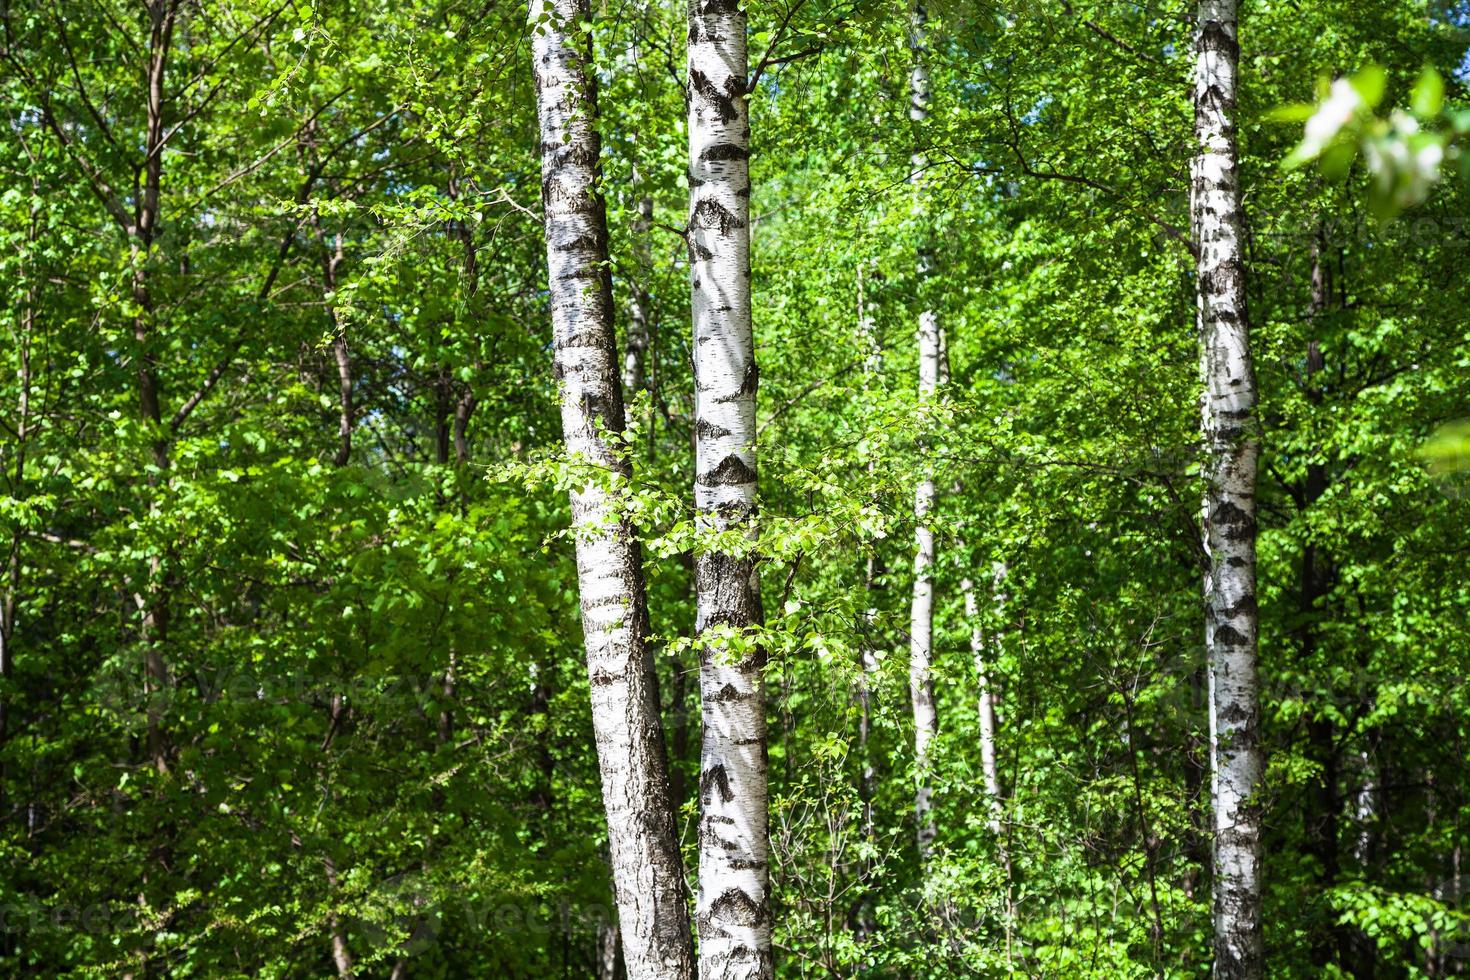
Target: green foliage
{"points": [[375, 703], [1403, 152]]}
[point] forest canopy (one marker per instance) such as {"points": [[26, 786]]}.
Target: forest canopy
{"points": [[816, 488]]}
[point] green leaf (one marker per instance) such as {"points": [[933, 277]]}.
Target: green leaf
{"points": [[1448, 449], [1296, 112], [1428, 95], [1337, 160], [1371, 82]]}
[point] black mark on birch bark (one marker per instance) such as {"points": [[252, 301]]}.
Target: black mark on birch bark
{"points": [[731, 472], [715, 779], [712, 214], [723, 102], [735, 908]]}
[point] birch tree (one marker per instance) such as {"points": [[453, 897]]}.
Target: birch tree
{"points": [[921, 609], [733, 908], [980, 651], [868, 663], [636, 354], [648, 877], [1228, 420], [869, 658]]}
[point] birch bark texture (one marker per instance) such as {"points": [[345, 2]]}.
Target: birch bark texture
{"points": [[921, 608], [635, 369], [733, 905], [648, 876], [981, 651], [1231, 447], [869, 658]]}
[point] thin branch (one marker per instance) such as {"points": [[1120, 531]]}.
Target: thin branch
{"points": [[780, 34], [1107, 35], [794, 399], [99, 185], [76, 75], [265, 157], [255, 29], [262, 295], [1014, 143], [787, 59]]}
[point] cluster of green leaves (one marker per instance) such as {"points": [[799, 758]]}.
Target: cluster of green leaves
{"points": [[377, 712], [1404, 152]]}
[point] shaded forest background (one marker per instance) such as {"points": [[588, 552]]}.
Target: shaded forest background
{"points": [[290, 631]]}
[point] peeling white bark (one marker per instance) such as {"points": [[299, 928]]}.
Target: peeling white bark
{"points": [[1231, 449], [733, 906], [648, 876]]}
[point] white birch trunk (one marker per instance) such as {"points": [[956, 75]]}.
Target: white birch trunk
{"points": [[733, 911], [1365, 810], [921, 610], [1231, 452], [869, 663], [607, 951], [648, 876], [980, 650], [635, 371]]}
